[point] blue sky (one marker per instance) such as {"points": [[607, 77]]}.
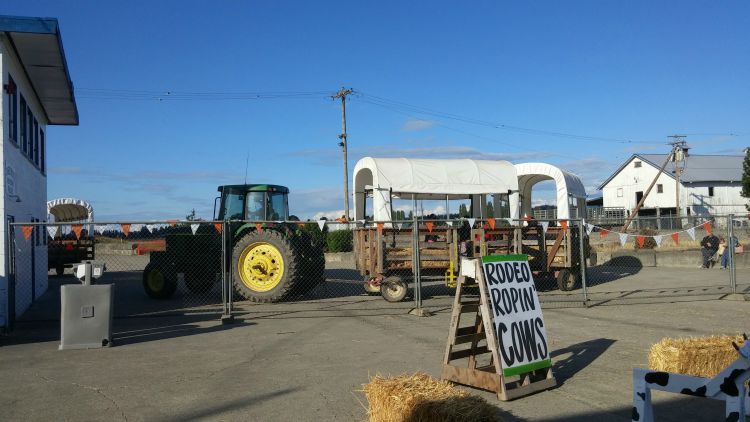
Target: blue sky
{"points": [[622, 75]]}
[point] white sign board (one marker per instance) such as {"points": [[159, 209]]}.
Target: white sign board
{"points": [[515, 309]]}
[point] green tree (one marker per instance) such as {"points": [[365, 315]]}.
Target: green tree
{"points": [[746, 177], [490, 209], [463, 211]]}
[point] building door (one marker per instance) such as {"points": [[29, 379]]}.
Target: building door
{"points": [[638, 197]]}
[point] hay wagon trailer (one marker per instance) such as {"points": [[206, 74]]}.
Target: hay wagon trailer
{"points": [[384, 248]]}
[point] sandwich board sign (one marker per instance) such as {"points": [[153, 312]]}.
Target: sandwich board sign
{"points": [[507, 317], [517, 314]]}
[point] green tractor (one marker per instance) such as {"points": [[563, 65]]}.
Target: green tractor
{"points": [[269, 262]]}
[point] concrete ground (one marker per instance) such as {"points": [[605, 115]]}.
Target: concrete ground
{"points": [[307, 360]]}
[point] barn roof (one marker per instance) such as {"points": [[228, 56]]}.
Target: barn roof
{"points": [[698, 168], [38, 45]]}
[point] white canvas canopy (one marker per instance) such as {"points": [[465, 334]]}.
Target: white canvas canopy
{"points": [[70, 209], [568, 186], [427, 179]]}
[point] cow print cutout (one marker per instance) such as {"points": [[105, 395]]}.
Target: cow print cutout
{"points": [[728, 387], [659, 378], [699, 392], [635, 416]]}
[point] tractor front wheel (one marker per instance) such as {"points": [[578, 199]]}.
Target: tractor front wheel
{"points": [[393, 289], [265, 266], [566, 280], [159, 282]]}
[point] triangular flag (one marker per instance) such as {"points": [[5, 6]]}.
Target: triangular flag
{"points": [[564, 224], [194, 227], [471, 222], [641, 240], [217, 226], [691, 232], [491, 222], [544, 225], [362, 222], [136, 228], [658, 239], [589, 228], [150, 228], [399, 225], [301, 225], [623, 238], [27, 231], [125, 229], [172, 223], [258, 226], [380, 227], [100, 228], [77, 229], [449, 223], [510, 221], [429, 225], [676, 238], [321, 224], [707, 227], [603, 233], [52, 231]]}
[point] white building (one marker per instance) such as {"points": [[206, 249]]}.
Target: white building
{"points": [[710, 185], [37, 92]]}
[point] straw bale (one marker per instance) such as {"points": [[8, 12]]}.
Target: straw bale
{"points": [[419, 398], [696, 356]]}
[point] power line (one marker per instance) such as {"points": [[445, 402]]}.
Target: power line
{"points": [[373, 99]]}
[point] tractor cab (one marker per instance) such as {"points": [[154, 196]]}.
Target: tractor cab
{"points": [[253, 202]]}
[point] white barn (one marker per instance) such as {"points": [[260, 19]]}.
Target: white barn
{"points": [[37, 92], [710, 185]]}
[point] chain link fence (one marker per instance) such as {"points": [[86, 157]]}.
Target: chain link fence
{"points": [[235, 267]]}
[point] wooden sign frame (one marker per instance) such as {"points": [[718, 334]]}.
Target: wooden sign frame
{"points": [[473, 373]]}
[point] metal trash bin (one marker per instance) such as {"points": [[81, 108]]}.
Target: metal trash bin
{"points": [[86, 311]]}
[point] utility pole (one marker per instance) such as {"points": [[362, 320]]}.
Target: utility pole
{"points": [[679, 153], [342, 93]]}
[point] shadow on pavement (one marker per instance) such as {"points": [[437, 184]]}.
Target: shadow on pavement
{"points": [[214, 412], [581, 356], [616, 268]]}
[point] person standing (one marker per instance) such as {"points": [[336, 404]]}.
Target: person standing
{"points": [[709, 246]]}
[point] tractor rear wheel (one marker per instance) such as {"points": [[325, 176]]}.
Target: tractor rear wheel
{"points": [[566, 280], [265, 266], [158, 281], [393, 289]]}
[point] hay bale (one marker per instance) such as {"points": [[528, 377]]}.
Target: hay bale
{"points": [[419, 398], [697, 356]]}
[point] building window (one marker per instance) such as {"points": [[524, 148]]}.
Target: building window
{"points": [[30, 134], [659, 188], [619, 192], [637, 164], [710, 191], [22, 121], [42, 163], [12, 110], [36, 143]]}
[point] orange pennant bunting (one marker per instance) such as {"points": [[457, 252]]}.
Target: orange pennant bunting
{"points": [[301, 225], [172, 223], [258, 226], [676, 238], [564, 224], [217, 226], [491, 222], [707, 226], [125, 229], [77, 228], [380, 227], [27, 231], [603, 233], [429, 225], [641, 240]]}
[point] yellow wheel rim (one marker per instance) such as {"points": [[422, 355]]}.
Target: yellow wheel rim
{"points": [[261, 266], [155, 280]]}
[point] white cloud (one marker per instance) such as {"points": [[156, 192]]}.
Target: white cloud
{"points": [[413, 125]]}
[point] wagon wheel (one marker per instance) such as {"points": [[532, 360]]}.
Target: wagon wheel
{"points": [[566, 280], [393, 289]]}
